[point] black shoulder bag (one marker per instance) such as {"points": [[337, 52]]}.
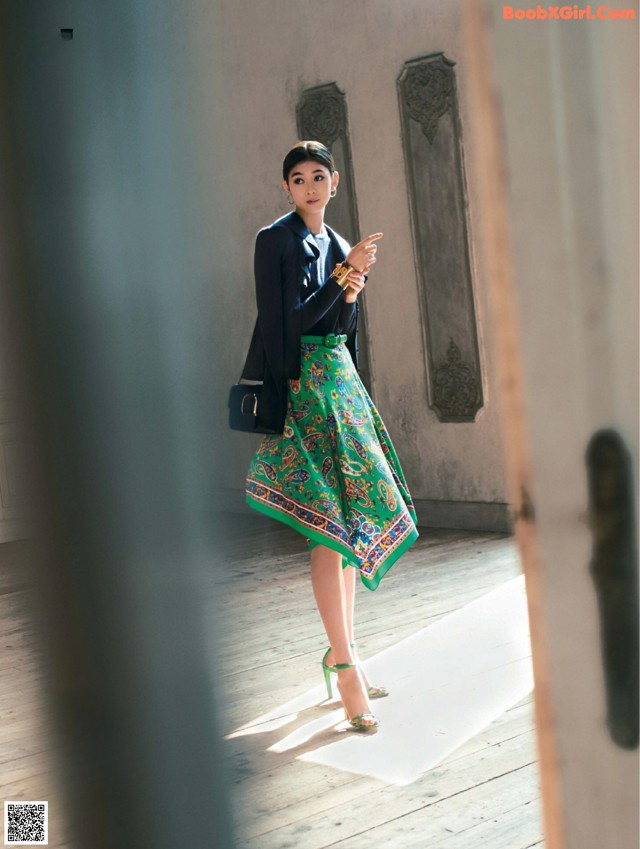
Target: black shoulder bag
{"points": [[244, 401]]}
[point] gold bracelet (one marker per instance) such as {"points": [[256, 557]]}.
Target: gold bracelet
{"points": [[340, 274]]}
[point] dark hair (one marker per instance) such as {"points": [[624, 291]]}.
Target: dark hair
{"points": [[307, 151]]}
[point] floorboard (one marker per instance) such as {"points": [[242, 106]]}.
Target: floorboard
{"points": [[26, 773], [266, 643], [486, 793]]}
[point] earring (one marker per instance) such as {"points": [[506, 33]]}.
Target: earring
{"points": [[333, 193], [290, 199]]}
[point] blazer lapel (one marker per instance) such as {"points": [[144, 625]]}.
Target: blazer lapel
{"points": [[309, 250], [339, 247]]}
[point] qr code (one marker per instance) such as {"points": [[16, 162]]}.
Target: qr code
{"points": [[26, 823]]}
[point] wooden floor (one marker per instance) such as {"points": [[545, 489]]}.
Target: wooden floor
{"points": [[25, 769], [269, 642], [485, 794]]}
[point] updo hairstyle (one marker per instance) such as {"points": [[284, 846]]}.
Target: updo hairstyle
{"points": [[307, 151]]}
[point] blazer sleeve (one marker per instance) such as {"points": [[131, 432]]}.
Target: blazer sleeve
{"points": [[278, 293], [349, 317], [267, 264], [320, 302]]}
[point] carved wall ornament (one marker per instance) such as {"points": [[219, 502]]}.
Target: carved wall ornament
{"points": [[434, 162], [455, 385], [322, 114], [427, 92]]}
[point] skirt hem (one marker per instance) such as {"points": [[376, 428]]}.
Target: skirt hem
{"points": [[330, 542]]}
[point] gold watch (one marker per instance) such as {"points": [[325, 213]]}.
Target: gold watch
{"points": [[340, 274]]}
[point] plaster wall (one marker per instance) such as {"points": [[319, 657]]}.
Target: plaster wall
{"points": [[267, 54]]}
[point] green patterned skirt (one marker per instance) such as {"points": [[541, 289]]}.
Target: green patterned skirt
{"points": [[333, 474]]}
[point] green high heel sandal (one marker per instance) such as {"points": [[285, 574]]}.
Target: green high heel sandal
{"points": [[327, 670], [373, 692], [366, 721]]}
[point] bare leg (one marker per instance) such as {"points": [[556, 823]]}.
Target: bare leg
{"points": [[331, 597], [349, 579]]}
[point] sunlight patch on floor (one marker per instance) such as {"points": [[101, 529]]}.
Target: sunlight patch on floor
{"points": [[282, 715], [447, 681]]}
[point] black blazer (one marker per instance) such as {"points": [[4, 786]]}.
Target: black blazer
{"points": [[288, 308]]}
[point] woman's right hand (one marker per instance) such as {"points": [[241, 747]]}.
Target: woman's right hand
{"points": [[363, 254], [355, 279]]}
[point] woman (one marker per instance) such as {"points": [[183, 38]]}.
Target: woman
{"points": [[329, 470]]}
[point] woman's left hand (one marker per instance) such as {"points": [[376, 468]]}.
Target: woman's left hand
{"points": [[356, 280]]}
